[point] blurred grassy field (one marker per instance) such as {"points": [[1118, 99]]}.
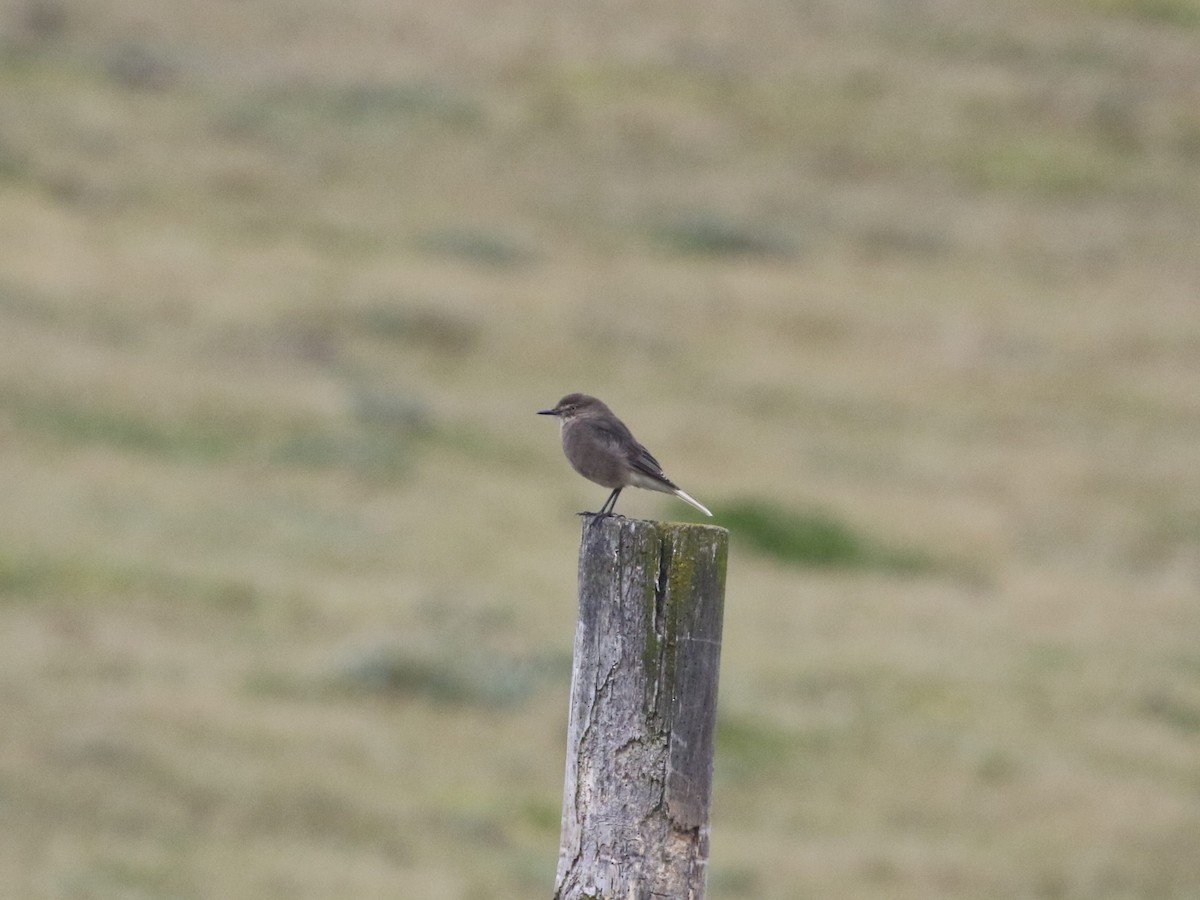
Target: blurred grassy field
{"points": [[908, 293]]}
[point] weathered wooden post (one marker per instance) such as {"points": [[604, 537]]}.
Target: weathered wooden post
{"points": [[643, 707]]}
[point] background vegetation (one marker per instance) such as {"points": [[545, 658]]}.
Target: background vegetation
{"points": [[907, 292]]}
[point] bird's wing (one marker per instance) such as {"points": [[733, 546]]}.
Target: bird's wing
{"points": [[618, 436]]}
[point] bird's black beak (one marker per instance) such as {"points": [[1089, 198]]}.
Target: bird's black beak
{"points": [[547, 412]]}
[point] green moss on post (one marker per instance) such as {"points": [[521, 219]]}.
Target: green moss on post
{"points": [[643, 710]]}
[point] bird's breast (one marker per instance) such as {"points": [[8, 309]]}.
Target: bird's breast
{"points": [[593, 458]]}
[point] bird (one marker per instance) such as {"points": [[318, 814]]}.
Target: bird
{"points": [[601, 448]]}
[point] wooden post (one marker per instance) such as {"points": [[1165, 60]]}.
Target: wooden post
{"points": [[643, 707]]}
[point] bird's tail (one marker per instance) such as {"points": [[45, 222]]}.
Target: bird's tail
{"points": [[693, 501]]}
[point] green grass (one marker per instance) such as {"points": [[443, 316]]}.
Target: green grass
{"points": [[470, 674], [813, 539], [380, 443], [70, 581], [1047, 167], [714, 236], [1181, 714], [477, 246], [72, 424], [1170, 12]]}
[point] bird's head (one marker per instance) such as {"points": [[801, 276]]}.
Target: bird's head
{"points": [[574, 406]]}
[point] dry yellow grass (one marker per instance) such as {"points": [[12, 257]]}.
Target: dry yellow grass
{"points": [[287, 561]]}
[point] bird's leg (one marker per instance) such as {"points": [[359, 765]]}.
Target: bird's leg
{"points": [[611, 503], [607, 509]]}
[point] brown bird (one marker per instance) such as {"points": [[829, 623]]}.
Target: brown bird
{"points": [[602, 449]]}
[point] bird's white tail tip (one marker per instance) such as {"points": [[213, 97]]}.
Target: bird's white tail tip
{"points": [[694, 502]]}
